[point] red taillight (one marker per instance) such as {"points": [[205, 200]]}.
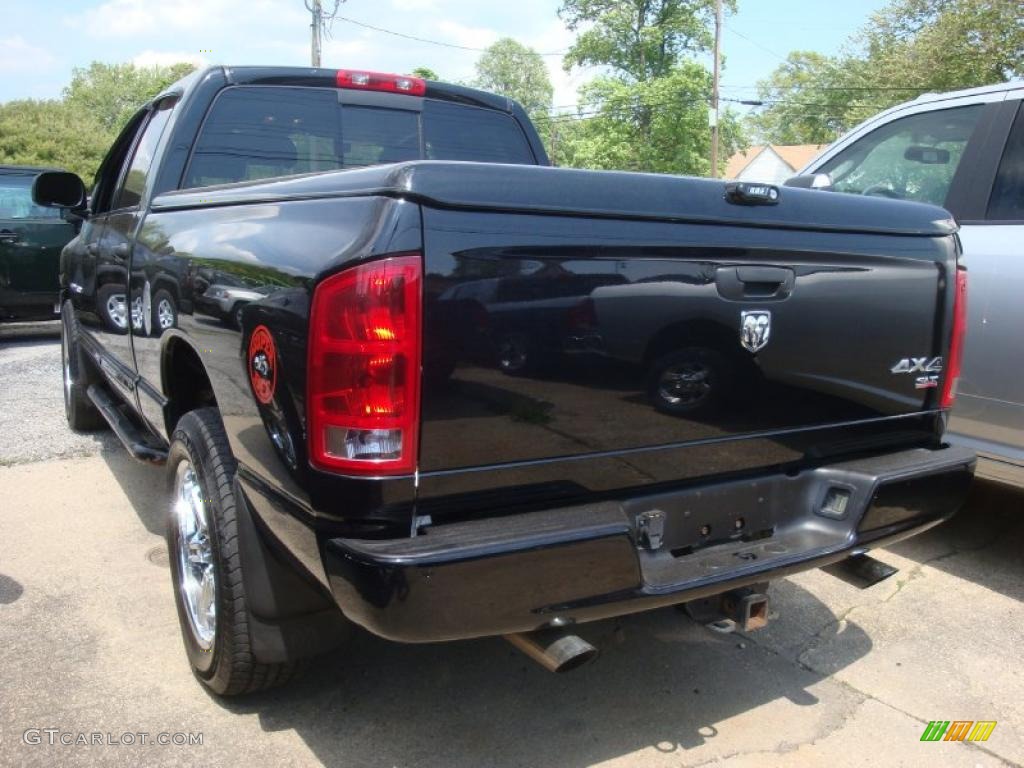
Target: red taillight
{"points": [[380, 81], [956, 344], [364, 368]]}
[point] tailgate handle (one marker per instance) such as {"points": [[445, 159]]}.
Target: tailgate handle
{"points": [[770, 283]]}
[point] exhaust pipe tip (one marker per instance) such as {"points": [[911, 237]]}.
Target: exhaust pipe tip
{"points": [[555, 651]]}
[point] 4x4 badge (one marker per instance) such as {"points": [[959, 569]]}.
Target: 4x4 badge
{"points": [[755, 329], [918, 365]]}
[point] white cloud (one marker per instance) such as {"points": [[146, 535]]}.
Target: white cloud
{"points": [[341, 51], [470, 37], [139, 18], [17, 55], [414, 5], [151, 58], [555, 37], [134, 18]]}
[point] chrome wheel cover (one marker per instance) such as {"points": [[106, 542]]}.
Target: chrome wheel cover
{"points": [[117, 311], [685, 383], [65, 359], [165, 314], [196, 566]]}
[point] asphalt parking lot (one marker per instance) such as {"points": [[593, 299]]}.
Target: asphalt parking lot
{"points": [[89, 644]]}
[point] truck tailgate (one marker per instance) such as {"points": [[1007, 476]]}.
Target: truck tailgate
{"points": [[567, 355]]}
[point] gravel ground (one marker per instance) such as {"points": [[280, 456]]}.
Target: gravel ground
{"points": [[32, 425], [841, 677]]}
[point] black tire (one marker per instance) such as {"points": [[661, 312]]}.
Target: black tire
{"points": [[693, 381], [236, 315], [114, 323], [228, 667], [160, 297], [76, 375]]}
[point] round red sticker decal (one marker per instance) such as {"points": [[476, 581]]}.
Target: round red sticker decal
{"points": [[263, 364]]}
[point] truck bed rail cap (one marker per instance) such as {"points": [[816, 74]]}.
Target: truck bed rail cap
{"points": [[606, 194]]}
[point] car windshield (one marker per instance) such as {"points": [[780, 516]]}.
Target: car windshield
{"points": [[16, 199]]}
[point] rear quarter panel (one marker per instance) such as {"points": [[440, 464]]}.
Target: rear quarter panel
{"points": [[285, 248]]}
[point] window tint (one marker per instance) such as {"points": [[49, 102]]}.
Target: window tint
{"points": [[16, 199], [260, 132], [913, 158], [454, 132], [1007, 201], [134, 182], [372, 136]]}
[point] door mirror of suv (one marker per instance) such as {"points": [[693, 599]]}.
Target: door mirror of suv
{"points": [[927, 155], [59, 189], [810, 181]]}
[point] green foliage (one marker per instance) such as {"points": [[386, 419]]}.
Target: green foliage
{"points": [[660, 125], [426, 73], [945, 44], [514, 70], [111, 93], [639, 39], [51, 133], [650, 111], [76, 133], [908, 48], [813, 99]]}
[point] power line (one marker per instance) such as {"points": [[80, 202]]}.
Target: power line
{"points": [[831, 87], [436, 42], [807, 110], [755, 43]]}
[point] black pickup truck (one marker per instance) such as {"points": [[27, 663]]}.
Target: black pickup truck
{"points": [[475, 395]]}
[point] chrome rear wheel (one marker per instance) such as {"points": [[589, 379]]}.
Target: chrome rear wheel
{"points": [[197, 579]]}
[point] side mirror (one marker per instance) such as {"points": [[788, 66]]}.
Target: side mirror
{"points": [[59, 189], [810, 181]]}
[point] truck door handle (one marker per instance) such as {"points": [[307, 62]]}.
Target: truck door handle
{"points": [[763, 283], [8, 236]]}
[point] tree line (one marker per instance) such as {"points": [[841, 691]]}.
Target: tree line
{"points": [[647, 108]]}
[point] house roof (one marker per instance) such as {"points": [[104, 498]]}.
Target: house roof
{"points": [[796, 156]]}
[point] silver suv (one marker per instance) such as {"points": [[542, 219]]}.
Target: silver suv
{"points": [[964, 151]]}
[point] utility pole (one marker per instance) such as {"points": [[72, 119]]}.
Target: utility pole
{"points": [[713, 114], [315, 7]]}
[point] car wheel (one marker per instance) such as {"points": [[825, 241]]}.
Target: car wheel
{"points": [[82, 415], [165, 312], [202, 539], [689, 381], [236, 315], [112, 306]]}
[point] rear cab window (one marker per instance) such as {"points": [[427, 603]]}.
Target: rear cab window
{"points": [[262, 132]]}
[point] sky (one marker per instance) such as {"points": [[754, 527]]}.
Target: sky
{"points": [[40, 42]]}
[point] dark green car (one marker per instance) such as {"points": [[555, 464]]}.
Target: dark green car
{"points": [[31, 239]]}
